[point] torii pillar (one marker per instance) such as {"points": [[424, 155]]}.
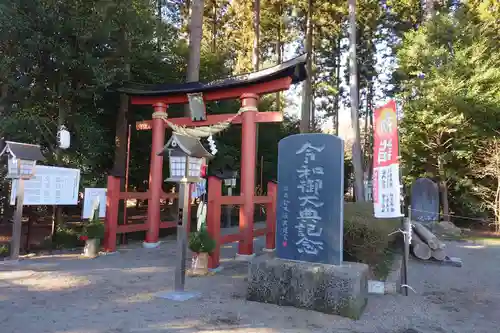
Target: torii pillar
{"points": [[248, 149], [155, 176]]}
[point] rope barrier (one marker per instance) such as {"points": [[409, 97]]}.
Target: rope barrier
{"points": [[457, 216]]}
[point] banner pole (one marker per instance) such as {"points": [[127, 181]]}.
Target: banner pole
{"points": [[405, 223]]}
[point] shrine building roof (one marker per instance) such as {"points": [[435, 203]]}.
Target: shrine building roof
{"points": [[294, 69]]}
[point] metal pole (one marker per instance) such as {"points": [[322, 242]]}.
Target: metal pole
{"points": [[229, 208], [406, 250], [15, 242], [180, 271]]}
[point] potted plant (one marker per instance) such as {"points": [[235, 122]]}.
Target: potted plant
{"points": [[202, 245], [92, 234]]}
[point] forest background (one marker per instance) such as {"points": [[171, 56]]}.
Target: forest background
{"points": [[60, 62]]}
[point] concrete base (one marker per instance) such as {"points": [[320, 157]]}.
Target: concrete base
{"points": [[341, 290], [9, 262], [244, 257], [179, 296], [268, 250], [216, 269], [104, 253], [147, 245]]}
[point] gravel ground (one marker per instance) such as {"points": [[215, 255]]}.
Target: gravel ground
{"points": [[115, 293]]}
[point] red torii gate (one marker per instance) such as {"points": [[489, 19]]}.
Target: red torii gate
{"points": [[247, 88]]}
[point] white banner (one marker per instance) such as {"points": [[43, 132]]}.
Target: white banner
{"points": [[388, 191]]}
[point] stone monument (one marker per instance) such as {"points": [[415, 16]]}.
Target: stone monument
{"points": [[424, 201], [308, 270]]}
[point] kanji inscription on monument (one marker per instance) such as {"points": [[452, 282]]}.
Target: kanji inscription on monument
{"points": [[310, 198]]}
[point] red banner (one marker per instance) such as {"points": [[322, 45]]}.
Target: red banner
{"points": [[385, 136], [386, 185]]}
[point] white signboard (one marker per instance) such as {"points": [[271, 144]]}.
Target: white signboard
{"points": [[50, 186], [91, 194]]}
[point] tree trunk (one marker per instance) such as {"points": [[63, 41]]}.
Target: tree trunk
{"points": [[439, 254], [428, 237], [312, 91], [368, 130], [370, 162], [121, 118], [57, 218], [497, 207], [195, 36], [357, 158], [428, 8], [256, 65], [443, 189], [256, 38], [214, 26], [158, 28], [5, 193], [278, 53], [305, 120], [337, 78], [419, 248]]}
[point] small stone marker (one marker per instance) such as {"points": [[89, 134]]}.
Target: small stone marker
{"points": [[424, 201], [310, 198]]}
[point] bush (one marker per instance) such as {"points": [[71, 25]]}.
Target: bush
{"points": [[201, 242], [65, 238], [4, 250], [94, 229], [366, 239]]}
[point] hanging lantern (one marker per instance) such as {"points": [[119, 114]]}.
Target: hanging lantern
{"points": [[186, 156], [63, 138]]}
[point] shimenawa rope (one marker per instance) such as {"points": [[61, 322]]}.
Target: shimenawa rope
{"points": [[202, 131]]}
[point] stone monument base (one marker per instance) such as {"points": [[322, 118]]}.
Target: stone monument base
{"points": [[340, 290]]}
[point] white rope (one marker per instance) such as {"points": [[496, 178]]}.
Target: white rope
{"points": [[202, 131], [409, 287]]}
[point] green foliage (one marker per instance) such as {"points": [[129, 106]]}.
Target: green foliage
{"points": [[94, 230], [448, 83], [4, 250], [66, 238], [201, 242], [366, 239]]}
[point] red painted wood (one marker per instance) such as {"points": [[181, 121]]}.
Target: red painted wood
{"points": [[168, 224], [168, 195], [111, 219], [262, 117], [260, 232], [262, 199], [134, 195], [155, 176], [230, 238], [248, 147], [213, 218], [125, 228], [232, 200], [272, 192], [259, 89]]}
